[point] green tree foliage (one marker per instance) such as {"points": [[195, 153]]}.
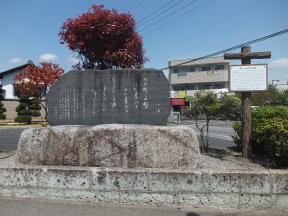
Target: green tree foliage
{"points": [[2, 108], [27, 109], [207, 105], [230, 107], [269, 133], [271, 96]]}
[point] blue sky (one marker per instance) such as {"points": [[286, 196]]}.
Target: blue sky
{"points": [[29, 29]]}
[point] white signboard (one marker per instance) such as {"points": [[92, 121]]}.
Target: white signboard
{"points": [[248, 78]]}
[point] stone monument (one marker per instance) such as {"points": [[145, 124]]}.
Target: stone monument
{"points": [[110, 118], [93, 97]]}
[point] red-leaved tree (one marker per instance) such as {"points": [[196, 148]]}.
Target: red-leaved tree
{"points": [[104, 39], [35, 81]]}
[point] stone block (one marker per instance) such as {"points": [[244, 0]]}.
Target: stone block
{"points": [[280, 180], [127, 181], [147, 198], [112, 145], [257, 201], [176, 182], [256, 183], [281, 201], [224, 182]]}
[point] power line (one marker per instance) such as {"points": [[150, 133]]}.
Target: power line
{"points": [[218, 21], [170, 14], [233, 48], [206, 3], [158, 12], [226, 18]]}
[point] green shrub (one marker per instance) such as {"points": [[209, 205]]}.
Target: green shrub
{"points": [[21, 105], [25, 112], [27, 108], [2, 109], [35, 113], [237, 126], [231, 107], [2, 116], [269, 133], [267, 112], [26, 119], [272, 135], [35, 107]]}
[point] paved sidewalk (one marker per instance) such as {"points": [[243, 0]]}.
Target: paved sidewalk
{"points": [[36, 207]]}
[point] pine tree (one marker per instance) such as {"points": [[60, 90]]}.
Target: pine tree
{"points": [[27, 109]]}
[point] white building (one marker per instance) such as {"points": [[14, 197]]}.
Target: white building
{"points": [[7, 79], [205, 74], [282, 86]]}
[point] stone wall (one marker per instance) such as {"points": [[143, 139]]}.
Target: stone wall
{"points": [[200, 188], [10, 105]]}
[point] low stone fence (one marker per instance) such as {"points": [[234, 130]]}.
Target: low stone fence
{"points": [[201, 188]]}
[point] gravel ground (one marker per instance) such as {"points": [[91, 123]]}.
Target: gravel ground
{"points": [[205, 162], [227, 163]]}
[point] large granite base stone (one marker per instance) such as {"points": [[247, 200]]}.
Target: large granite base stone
{"points": [[111, 145]]}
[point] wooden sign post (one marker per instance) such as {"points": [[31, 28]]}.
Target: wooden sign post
{"points": [[246, 57]]}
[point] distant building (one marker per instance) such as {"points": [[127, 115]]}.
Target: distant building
{"points": [[7, 80], [282, 86], [205, 74]]}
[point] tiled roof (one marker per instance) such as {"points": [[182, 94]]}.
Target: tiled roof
{"points": [[16, 68]]}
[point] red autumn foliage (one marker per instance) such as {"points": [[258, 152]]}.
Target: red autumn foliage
{"points": [[104, 39], [35, 78]]}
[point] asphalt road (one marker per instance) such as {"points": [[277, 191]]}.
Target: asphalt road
{"points": [[9, 138], [41, 207], [219, 135]]}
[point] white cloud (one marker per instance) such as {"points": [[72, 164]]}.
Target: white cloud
{"points": [[15, 60], [72, 60], [280, 64], [47, 57], [279, 70]]}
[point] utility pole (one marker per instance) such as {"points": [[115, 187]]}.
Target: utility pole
{"points": [[245, 56]]}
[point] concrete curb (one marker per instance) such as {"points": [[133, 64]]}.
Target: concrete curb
{"points": [[201, 188]]}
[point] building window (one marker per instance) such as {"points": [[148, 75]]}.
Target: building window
{"points": [[181, 74], [192, 69], [178, 88], [16, 92], [205, 68], [219, 86], [184, 69], [219, 67], [204, 86]]}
